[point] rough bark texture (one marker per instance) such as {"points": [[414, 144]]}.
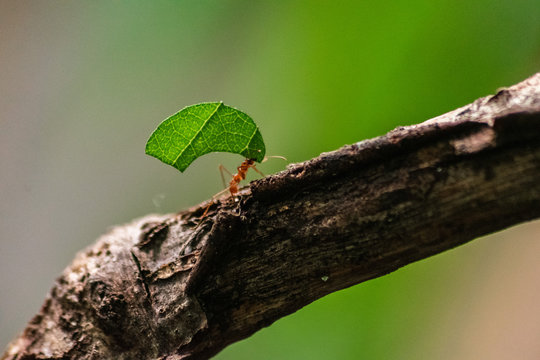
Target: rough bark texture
{"points": [[167, 287]]}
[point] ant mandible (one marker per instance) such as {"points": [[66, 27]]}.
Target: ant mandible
{"points": [[237, 178]]}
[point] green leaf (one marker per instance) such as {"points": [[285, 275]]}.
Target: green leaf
{"points": [[204, 128]]}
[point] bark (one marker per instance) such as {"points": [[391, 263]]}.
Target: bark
{"points": [[179, 287]]}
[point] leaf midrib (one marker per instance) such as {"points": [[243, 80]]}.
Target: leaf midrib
{"points": [[198, 133]]}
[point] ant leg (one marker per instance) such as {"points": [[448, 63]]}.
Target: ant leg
{"points": [[221, 170], [212, 201], [206, 210], [257, 170]]}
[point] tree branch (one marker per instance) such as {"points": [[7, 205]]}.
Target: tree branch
{"points": [[169, 287]]}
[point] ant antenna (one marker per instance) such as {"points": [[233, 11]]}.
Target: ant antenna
{"points": [[273, 157]]}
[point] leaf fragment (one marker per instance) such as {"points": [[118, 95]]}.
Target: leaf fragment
{"points": [[204, 128]]}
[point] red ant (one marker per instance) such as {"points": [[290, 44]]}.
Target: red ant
{"points": [[237, 178]]}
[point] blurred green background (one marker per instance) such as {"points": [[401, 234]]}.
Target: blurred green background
{"points": [[83, 84]]}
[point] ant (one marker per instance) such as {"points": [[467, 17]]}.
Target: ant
{"points": [[237, 178]]}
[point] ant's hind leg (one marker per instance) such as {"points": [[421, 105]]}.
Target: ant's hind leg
{"points": [[221, 170], [206, 210], [212, 202]]}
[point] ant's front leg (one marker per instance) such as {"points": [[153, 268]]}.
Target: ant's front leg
{"points": [[257, 170]]}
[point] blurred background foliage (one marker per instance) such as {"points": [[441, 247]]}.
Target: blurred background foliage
{"points": [[83, 84]]}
